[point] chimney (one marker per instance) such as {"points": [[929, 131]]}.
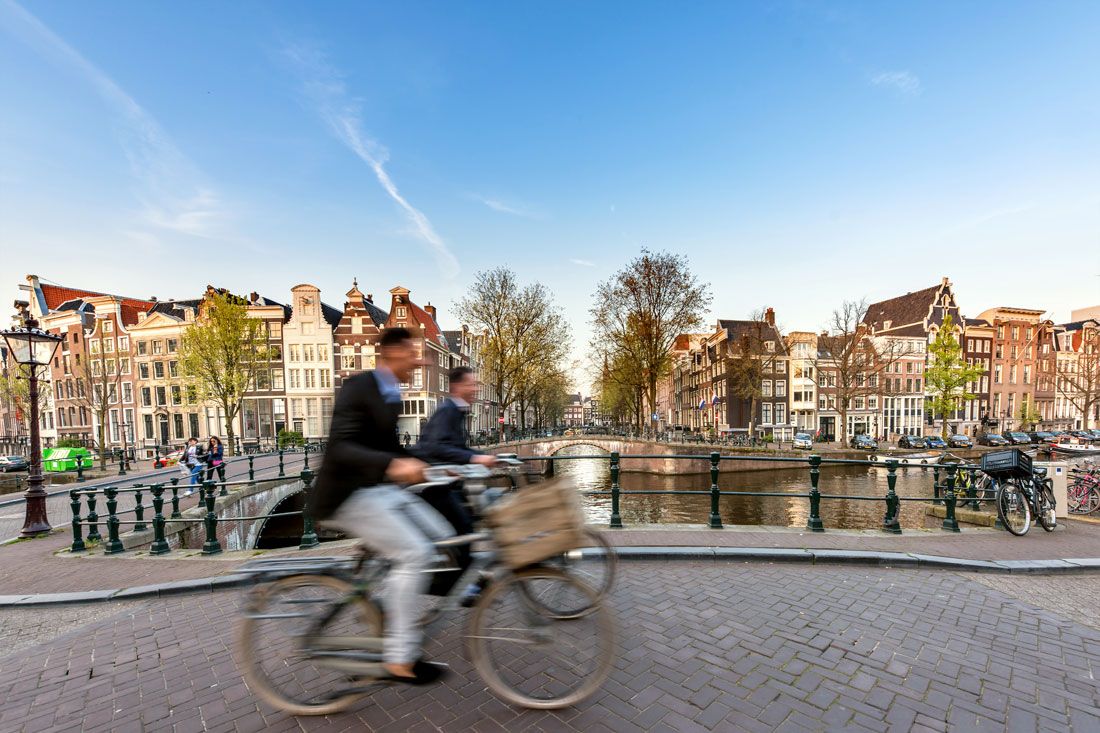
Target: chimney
{"points": [[769, 317], [253, 298], [431, 310], [370, 297]]}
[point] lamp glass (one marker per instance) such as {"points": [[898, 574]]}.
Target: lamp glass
{"points": [[31, 346]]}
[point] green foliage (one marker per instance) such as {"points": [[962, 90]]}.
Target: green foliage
{"points": [[69, 443], [1028, 414], [290, 438], [948, 374]]}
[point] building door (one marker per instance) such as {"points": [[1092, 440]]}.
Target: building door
{"points": [[163, 425]]}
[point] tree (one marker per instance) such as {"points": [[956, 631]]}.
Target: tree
{"points": [[522, 331], [851, 360], [1027, 415], [748, 359], [16, 393], [221, 353], [637, 315], [1079, 379], [99, 383], [947, 376]]}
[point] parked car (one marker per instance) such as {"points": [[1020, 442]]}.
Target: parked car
{"points": [[935, 441], [960, 441], [1082, 434], [803, 440], [992, 439], [1017, 438], [170, 459], [912, 441], [1041, 436], [1095, 433], [13, 463], [864, 442]]}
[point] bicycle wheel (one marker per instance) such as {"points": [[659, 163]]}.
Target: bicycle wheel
{"points": [[274, 636], [1012, 507], [594, 563], [1078, 498], [1047, 516], [536, 660]]}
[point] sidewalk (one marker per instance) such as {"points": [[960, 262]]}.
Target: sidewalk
{"points": [[43, 566]]}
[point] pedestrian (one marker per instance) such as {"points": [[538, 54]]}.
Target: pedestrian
{"points": [[408, 439], [192, 461], [215, 459]]}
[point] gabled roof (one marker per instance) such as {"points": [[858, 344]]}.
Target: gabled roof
{"points": [[454, 338], [735, 330], [902, 310], [56, 295], [1078, 325], [174, 308], [377, 315], [331, 315], [977, 323]]}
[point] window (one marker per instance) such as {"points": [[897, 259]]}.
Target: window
{"points": [[872, 403], [780, 414], [123, 343], [295, 379], [401, 311], [1012, 374], [177, 395], [1015, 333], [124, 365], [766, 388], [276, 378], [143, 370], [347, 360], [111, 368], [769, 346], [275, 353], [780, 366], [94, 346], [192, 394], [997, 374], [177, 423], [780, 388], [148, 423], [307, 328], [418, 378], [326, 378], [158, 369], [766, 413], [173, 369], [322, 352], [142, 348], [311, 378], [263, 381], [442, 383], [158, 347], [275, 329], [146, 397], [97, 368], [108, 326], [293, 353], [172, 346], [127, 392], [162, 396], [307, 352], [1027, 374], [1028, 333], [193, 422], [821, 403]]}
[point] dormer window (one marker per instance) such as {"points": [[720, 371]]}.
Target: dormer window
{"points": [[401, 312], [769, 346], [886, 324]]}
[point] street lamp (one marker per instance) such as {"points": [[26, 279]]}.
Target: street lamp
{"points": [[33, 348]]}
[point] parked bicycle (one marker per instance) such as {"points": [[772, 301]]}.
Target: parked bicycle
{"points": [[1023, 491], [310, 636], [1083, 490]]}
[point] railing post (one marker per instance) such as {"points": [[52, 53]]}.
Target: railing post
{"points": [[549, 467], [121, 465], [93, 519], [949, 522], [176, 499], [281, 473], [715, 517], [78, 540], [160, 544], [224, 490], [211, 546], [890, 522], [251, 469], [616, 518], [936, 484], [309, 536], [139, 512], [114, 544], [814, 523], [972, 489], [305, 464], [80, 470]]}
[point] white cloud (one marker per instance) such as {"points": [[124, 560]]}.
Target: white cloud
{"points": [[583, 263], [904, 83], [507, 208], [174, 197], [325, 88]]}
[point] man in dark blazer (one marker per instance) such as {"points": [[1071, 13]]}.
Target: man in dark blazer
{"points": [[358, 491], [444, 439]]}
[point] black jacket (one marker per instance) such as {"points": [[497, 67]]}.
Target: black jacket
{"points": [[443, 439], [362, 441]]}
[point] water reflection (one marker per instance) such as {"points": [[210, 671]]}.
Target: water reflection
{"points": [[789, 511]]}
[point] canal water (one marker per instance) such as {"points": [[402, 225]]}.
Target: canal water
{"points": [[786, 511]]}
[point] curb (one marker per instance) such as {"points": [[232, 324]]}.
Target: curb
{"points": [[903, 560]]}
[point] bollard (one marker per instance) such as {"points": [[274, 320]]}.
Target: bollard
{"points": [[139, 512], [949, 522], [224, 490], [176, 499], [936, 485], [715, 518], [80, 471], [813, 522], [251, 470], [890, 522], [972, 489], [160, 544], [309, 537], [616, 519], [306, 464], [114, 544], [281, 473], [78, 541], [93, 518], [211, 546], [121, 466], [549, 472]]}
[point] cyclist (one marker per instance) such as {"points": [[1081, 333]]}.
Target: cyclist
{"points": [[358, 491], [445, 439]]}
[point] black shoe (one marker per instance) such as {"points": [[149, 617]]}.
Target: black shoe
{"points": [[473, 591], [424, 673]]}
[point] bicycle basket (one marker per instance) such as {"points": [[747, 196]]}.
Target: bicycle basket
{"points": [[536, 522], [1012, 463]]}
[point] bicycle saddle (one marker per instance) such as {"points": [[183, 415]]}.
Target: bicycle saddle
{"points": [[1040, 472]]}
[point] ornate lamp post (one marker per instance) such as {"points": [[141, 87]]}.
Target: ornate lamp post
{"points": [[33, 348]]}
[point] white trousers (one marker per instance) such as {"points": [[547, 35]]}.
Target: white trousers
{"points": [[400, 527]]}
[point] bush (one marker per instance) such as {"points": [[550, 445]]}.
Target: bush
{"points": [[69, 443], [290, 438]]}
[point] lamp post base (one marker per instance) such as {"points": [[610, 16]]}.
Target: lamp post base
{"points": [[36, 522]]}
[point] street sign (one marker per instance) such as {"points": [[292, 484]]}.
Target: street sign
{"points": [[500, 420]]}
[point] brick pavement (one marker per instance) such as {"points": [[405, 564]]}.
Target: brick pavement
{"points": [[34, 567], [706, 647]]}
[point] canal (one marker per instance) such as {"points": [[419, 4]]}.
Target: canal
{"points": [[595, 474]]}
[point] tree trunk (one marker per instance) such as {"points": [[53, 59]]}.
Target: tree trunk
{"points": [[101, 432]]}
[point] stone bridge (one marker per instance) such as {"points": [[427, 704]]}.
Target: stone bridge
{"points": [[653, 456], [244, 499]]}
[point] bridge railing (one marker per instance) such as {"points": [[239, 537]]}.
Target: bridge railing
{"points": [[954, 484], [176, 491]]}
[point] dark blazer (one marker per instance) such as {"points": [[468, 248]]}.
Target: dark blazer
{"points": [[443, 439], [361, 443]]}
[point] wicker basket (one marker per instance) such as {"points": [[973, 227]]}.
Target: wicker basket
{"points": [[537, 522]]}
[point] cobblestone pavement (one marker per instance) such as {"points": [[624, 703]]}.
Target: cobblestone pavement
{"points": [[704, 646], [23, 627], [1076, 597]]}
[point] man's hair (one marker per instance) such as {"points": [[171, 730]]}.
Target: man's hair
{"points": [[394, 337], [458, 374]]}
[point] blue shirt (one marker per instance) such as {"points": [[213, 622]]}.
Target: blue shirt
{"points": [[388, 385]]}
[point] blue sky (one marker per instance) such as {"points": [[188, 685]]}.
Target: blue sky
{"points": [[798, 153]]}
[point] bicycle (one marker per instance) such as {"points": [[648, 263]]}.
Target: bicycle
{"points": [[1083, 493], [314, 624], [1019, 499]]}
